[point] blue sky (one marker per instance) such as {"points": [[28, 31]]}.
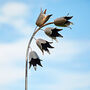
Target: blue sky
{"points": [[68, 66]]}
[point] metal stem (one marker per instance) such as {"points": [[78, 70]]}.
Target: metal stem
{"points": [[27, 51]]}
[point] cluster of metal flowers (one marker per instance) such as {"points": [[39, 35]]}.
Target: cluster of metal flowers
{"points": [[50, 32]]}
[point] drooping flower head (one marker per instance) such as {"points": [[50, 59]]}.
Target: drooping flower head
{"points": [[63, 21], [44, 45], [34, 60], [53, 32], [42, 18]]}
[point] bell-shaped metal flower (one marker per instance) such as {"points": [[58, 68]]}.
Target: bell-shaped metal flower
{"points": [[44, 45], [63, 21], [53, 32], [34, 60], [42, 18]]}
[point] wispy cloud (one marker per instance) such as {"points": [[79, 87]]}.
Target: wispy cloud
{"points": [[15, 52], [62, 80], [11, 52], [14, 9], [9, 55], [15, 14], [68, 49], [9, 74]]}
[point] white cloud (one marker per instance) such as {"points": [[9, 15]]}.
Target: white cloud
{"points": [[65, 80], [10, 74], [14, 9], [75, 80], [22, 26], [15, 52], [9, 55], [4, 19], [14, 14], [66, 50], [11, 52]]}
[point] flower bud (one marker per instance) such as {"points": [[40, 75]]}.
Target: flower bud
{"points": [[34, 60], [53, 32], [42, 18], [43, 45], [63, 21]]}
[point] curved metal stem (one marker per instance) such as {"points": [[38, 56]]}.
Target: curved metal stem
{"points": [[27, 51]]}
